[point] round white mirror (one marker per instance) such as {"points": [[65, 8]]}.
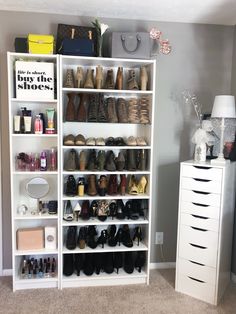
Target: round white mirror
{"points": [[37, 187]]}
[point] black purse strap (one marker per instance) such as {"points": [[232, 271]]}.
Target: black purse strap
{"points": [[124, 45]]}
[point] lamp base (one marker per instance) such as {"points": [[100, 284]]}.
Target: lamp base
{"points": [[220, 161]]}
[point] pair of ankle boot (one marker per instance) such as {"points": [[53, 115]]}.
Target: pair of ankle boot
{"points": [[117, 111], [76, 115], [97, 110]]}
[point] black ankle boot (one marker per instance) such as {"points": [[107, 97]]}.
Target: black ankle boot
{"points": [[91, 234], [120, 210], [108, 263], [129, 262], [118, 261], [88, 267], [103, 238], [78, 263], [68, 264], [119, 236], [140, 260], [71, 238], [112, 241], [113, 209], [131, 160], [98, 262], [126, 238], [92, 160], [110, 161]]}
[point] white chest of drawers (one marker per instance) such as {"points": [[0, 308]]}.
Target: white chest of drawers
{"points": [[205, 229]]}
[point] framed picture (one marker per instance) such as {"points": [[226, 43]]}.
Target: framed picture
{"points": [[34, 80]]}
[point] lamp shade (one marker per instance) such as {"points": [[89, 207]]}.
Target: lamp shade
{"points": [[224, 107]]}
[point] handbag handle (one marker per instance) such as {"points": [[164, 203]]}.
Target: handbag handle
{"points": [[124, 46]]}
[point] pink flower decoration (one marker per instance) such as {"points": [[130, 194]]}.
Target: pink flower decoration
{"points": [[155, 34], [165, 47]]}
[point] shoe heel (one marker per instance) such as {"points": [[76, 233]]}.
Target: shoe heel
{"points": [[98, 84], [143, 85]]}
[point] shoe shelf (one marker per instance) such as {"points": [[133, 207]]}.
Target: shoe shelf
{"points": [[107, 249], [106, 197], [108, 221], [113, 92], [104, 279], [86, 172], [87, 147]]}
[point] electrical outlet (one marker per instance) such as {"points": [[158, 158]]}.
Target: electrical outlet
{"points": [[159, 238]]}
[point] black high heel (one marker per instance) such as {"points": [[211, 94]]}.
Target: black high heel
{"points": [[118, 261], [78, 263], [108, 263], [88, 267], [71, 238], [103, 238], [119, 235], [140, 260], [137, 234], [68, 264], [98, 262], [112, 209]]}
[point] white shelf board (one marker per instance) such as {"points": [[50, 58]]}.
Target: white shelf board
{"points": [[105, 124], [35, 135], [46, 101], [108, 221], [103, 275], [86, 172], [22, 284], [105, 147], [107, 197], [35, 252], [107, 248], [35, 217], [35, 172], [107, 91], [34, 280]]}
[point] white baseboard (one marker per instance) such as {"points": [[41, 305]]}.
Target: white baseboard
{"points": [[7, 272], [233, 277], [167, 265]]}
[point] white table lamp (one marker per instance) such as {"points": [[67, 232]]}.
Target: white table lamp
{"points": [[223, 107]]}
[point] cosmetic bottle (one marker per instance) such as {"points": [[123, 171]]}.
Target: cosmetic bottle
{"points": [[53, 159], [27, 121], [38, 125], [43, 161], [32, 162], [37, 162], [22, 122], [17, 124], [43, 121], [80, 187]]}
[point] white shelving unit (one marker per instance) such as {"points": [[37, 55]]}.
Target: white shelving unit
{"points": [[35, 143], [105, 130], [32, 143]]}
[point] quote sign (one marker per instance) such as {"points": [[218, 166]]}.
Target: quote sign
{"points": [[34, 80]]}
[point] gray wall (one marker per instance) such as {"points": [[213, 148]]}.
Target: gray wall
{"points": [[201, 61]]}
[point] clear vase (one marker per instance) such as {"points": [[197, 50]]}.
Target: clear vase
{"points": [[200, 152]]}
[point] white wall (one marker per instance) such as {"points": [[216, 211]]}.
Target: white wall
{"points": [[201, 61]]}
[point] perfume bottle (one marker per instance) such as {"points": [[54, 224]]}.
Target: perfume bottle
{"points": [[43, 161], [38, 125], [53, 159]]}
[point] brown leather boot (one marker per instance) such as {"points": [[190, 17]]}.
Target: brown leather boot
{"points": [[122, 187], [89, 81], [119, 78], [99, 77], [70, 80], [132, 83], [113, 185], [92, 185], [110, 84], [81, 112], [79, 76], [70, 109]]}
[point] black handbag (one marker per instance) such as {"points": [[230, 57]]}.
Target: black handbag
{"points": [[67, 36]]}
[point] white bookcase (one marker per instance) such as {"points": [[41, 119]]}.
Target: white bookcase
{"points": [[31, 143], [105, 130], [205, 229], [57, 179]]}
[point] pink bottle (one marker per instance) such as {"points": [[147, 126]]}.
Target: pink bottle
{"points": [[38, 125]]}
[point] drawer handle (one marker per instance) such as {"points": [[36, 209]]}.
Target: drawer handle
{"points": [[199, 192], [199, 217], [196, 263], [198, 280], [201, 180], [198, 246], [199, 204], [199, 229], [204, 168]]}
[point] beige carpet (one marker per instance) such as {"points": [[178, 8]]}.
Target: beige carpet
{"points": [[158, 297]]}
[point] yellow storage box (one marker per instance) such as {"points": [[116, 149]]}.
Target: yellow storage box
{"points": [[40, 44]]}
